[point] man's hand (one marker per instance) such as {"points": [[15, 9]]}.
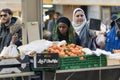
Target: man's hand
{"points": [[14, 37]]}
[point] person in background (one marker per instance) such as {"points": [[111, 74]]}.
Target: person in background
{"points": [[109, 21], [10, 29], [52, 22], [112, 43], [50, 14], [63, 30], [81, 27], [113, 38], [112, 21], [112, 31]]}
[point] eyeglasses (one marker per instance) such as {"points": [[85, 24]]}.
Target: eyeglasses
{"points": [[5, 15]]}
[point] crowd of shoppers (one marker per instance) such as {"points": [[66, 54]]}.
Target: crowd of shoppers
{"points": [[104, 39], [76, 31]]}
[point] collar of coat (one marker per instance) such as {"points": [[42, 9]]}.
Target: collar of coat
{"points": [[16, 26]]}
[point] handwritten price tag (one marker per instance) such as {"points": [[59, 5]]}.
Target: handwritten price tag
{"points": [[47, 60]]}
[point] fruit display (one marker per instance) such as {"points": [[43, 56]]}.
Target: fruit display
{"points": [[116, 51], [66, 50]]}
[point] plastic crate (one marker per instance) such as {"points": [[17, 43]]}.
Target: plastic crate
{"points": [[74, 62]]}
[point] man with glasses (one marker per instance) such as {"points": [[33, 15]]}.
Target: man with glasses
{"points": [[10, 29]]}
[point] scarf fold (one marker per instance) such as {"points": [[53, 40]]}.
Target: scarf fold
{"points": [[78, 27]]}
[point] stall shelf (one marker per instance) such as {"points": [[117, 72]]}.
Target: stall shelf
{"points": [[88, 69], [17, 74], [78, 70]]}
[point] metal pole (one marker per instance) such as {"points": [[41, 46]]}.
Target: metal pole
{"points": [[32, 12]]}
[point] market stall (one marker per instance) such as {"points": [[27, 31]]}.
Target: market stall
{"points": [[93, 60], [40, 56]]}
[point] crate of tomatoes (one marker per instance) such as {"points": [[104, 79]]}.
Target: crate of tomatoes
{"points": [[71, 56]]}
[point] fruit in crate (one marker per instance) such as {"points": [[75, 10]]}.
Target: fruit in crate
{"points": [[66, 50]]}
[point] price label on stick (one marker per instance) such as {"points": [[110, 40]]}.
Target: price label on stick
{"points": [[95, 24], [46, 60]]}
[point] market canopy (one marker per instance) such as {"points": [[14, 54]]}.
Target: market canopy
{"points": [[12, 4], [88, 2]]}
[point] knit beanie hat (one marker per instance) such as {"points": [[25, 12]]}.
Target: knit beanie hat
{"points": [[64, 20]]}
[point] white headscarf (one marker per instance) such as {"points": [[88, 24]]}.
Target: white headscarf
{"points": [[78, 27]]}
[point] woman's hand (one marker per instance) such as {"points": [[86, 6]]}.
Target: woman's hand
{"points": [[100, 33]]}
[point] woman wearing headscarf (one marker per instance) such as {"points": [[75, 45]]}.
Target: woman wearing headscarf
{"points": [[80, 26], [63, 30]]}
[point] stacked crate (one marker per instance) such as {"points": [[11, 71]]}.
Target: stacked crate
{"points": [[75, 62]]}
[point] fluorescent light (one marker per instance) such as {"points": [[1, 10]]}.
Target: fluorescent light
{"points": [[47, 6]]}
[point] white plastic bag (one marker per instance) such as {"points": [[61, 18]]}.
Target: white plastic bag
{"points": [[13, 52], [37, 46], [114, 56], [98, 52], [10, 52], [87, 51], [100, 40], [4, 52]]}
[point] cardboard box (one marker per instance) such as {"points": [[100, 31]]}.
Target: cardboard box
{"points": [[113, 62]]}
